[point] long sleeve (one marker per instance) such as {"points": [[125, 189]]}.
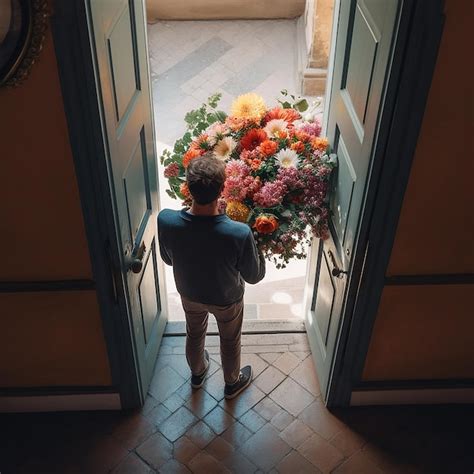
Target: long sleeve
{"points": [[251, 263], [163, 251]]}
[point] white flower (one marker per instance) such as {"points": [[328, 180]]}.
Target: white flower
{"points": [[287, 158], [275, 126], [224, 148]]}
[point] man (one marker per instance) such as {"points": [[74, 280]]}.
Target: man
{"points": [[211, 256]]}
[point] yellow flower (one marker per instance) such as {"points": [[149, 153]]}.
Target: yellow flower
{"points": [[237, 211], [248, 106]]}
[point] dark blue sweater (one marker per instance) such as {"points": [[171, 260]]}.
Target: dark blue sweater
{"points": [[211, 256]]}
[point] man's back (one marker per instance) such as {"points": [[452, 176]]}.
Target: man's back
{"points": [[211, 256]]}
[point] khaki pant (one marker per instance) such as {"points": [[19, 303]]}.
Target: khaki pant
{"points": [[229, 321]]}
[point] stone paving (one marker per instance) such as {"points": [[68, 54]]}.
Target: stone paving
{"points": [[278, 425], [191, 60]]}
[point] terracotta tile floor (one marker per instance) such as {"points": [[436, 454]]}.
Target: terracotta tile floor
{"points": [[278, 425]]}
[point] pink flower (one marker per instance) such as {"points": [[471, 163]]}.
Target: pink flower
{"points": [[234, 189], [237, 168], [172, 170], [311, 128], [291, 178], [216, 131], [271, 194], [237, 188], [324, 172]]}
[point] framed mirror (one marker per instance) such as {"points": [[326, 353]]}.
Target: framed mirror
{"points": [[22, 29]]}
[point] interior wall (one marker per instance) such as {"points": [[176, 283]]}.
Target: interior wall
{"points": [[47, 337], [51, 339], [427, 331]]}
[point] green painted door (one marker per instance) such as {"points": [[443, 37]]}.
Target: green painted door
{"points": [[119, 34], [361, 65]]}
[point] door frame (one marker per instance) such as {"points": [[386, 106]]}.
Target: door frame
{"points": [[415, 52], [77, 67], [415, 48]]}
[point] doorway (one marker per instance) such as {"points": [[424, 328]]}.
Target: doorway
{"points": [[190, 60], [114, 94]]}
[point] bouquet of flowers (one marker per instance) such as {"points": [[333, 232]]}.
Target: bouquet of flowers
{"points": [[277, 167]]}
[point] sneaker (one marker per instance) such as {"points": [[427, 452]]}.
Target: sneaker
{"points": [[198, 380], [245, 377]]}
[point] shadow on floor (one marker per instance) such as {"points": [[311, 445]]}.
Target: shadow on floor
{"points": [[435, 439], [278, 425]]}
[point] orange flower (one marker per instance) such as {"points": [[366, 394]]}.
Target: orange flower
{"points": [[255, 164], [200, 142], [268, 147], [184, 190], [298, 147], [319, 143], [282, 135], [302, 136], [289, 115], [237, 211], [266, 224], [237, 123], [190, 155], [253, 138]]}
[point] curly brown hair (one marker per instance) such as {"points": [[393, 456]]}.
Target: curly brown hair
{"points": [[205, 177]]}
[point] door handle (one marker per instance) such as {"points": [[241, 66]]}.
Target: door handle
{"points": [[336, 271], [135, 261]]}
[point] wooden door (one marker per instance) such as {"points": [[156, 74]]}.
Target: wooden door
{"points": [[361, 66], [119, 36]]}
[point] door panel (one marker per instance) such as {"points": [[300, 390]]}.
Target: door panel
{"points": [[118, 29], [361, 64], [324, 304]]}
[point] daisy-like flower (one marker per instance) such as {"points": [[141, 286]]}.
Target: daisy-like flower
{"points": [[201, 143], [224, 148], [287, 158], [289, 115], [274, 127], [216, 131], [248, 106], [253, 138]]}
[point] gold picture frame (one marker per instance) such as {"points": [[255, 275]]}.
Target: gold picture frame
{"points": [[23, 26]]}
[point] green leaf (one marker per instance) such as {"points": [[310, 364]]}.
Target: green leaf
{"points": [[171, 194], [214, 99], [286, 105], [220, 115], [187, 137], [301, 105]]}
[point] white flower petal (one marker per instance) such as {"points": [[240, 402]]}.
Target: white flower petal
{"points": [[275, 126], [224, 148], [287, 158]]}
